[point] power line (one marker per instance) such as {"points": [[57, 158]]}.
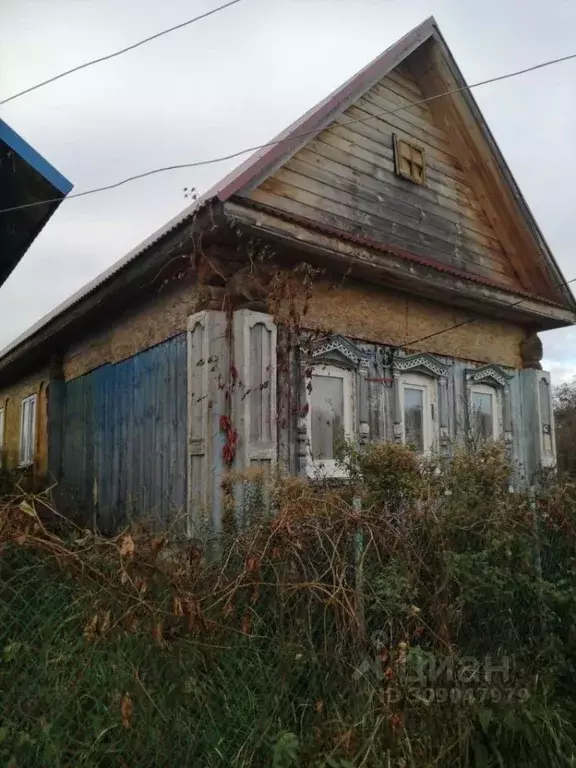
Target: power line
{"points": [[473, 319], [274, 142], [117, 53], [291, 137]]}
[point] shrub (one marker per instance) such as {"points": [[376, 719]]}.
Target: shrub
{"points": [[325, 634]]}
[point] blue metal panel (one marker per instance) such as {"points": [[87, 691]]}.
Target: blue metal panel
{"points": [[33, 158], [125, 438], [77, 453]]}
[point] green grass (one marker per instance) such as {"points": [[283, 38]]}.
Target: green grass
{"points": [[261, 671]]}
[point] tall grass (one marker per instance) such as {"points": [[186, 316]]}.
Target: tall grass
{"points": [[418, 616]]}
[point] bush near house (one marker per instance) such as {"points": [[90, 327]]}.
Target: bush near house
{"points": [[565, 418], [416, 617]]}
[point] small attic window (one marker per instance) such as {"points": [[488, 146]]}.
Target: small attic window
{"points": [[410, 161]]}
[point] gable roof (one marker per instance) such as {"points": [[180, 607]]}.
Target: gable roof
{"points": [[277, 151]]}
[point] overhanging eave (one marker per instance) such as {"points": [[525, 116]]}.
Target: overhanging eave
{"points": [[391, 268]]}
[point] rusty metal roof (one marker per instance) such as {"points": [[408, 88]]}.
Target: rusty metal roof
{"points": [[282, 147]]}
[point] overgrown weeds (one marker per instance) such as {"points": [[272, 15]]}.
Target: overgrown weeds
{"points": [[421, 615]]}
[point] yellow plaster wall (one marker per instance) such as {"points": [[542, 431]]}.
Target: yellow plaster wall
{"points": [[389, 317], [137, 329], [11, 399]]}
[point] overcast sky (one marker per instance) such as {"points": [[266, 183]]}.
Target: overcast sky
{"points": [[236, 79]]}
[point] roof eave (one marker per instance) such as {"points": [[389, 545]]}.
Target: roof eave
{"points": [[34, 159], [165, 245], [509, 179], [376, 262]]}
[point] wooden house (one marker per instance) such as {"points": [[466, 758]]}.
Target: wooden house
{"points": [[373, 272]]}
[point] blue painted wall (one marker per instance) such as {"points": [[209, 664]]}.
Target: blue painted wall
{"points": [[124, 439]]}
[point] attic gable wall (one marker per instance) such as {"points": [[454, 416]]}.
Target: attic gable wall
{"points": [[345, 178]]}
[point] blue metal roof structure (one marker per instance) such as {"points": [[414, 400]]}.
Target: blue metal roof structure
{"points": [[25, 178]]}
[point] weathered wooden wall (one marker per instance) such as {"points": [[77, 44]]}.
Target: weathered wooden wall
{"points": [[11, 398], [346, 178], [124, 438]]}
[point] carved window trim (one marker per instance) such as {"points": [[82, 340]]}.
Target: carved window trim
{"points": [[495, 394], [436, 373], [335, 352], [491, 379], [488, 374], [338, 350], [330, 467], [422, 362], [428, 386]]}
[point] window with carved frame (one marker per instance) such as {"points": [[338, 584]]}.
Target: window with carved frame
{"points": [[330, 417], [484, 413], [418, 407], [334, 391]]}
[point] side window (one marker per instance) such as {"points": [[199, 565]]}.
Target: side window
{"points": [[330, 417], [484, 413], [418, 404], [28, 430]]}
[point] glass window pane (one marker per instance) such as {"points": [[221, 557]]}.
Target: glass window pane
{"points": [[414, 418], [483, 415], [327, 415]]}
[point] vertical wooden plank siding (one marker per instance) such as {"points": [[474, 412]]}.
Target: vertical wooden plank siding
{"points": [[124, 438]]}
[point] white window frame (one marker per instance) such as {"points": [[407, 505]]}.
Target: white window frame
{"points": [[28, 446], [2, 431], [486, 389], [428, 385], [331, 467]]}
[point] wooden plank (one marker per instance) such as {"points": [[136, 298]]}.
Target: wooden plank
{"points": [[283, 197], [363, 200], [311, 164], [420, 131], [385, 267], [403, 69], [372, 139], [408, 84], [347, 153], [388, 89], [434, 181], [478, 160], [380, 134], [356, 169], [350, 189], [391, 123], [387, 101]]}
